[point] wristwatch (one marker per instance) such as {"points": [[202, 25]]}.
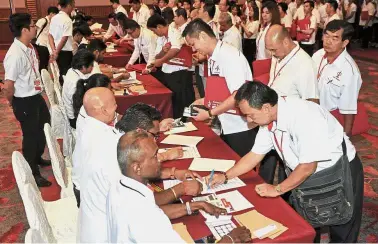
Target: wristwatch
{"points": [[278, 189]]}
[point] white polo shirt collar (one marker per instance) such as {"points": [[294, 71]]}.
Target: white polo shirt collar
{"points": [[21, 45], [138, 187], [281, 123]]}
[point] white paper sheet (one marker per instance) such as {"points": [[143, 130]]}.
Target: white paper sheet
{"points": [[108, 50], [189, 152], [188, 127], [220, 228], [190, 141], [263, 231], [96, 26], [208, 164], [237, 202]]}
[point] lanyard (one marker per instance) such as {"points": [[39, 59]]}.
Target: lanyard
{"points": [[279, 71], [279, 146], [320, 70], [31, 61]]}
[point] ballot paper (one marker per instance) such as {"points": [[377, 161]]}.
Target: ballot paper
{"points": [[189, 152], [220, 228], [208, 164], [188, 127], [190, 141], [110, 50], [234, 201], [181, 229], [129, 81], [96, 26]]}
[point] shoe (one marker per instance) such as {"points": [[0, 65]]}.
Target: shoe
{"points": [[42, 182], [44, 163]]}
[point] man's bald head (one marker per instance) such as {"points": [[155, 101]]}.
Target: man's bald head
{"points": [[99, 103], [276, 33], [278, 41], [225, 21]]}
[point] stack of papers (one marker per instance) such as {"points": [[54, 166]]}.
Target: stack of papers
{"points": [[181, 229], [260, 226], [188, 127], [96, 26], [220, 228], [189, 152], [208, 164], [190, 141]]}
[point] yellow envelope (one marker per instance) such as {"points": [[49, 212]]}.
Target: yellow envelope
{"points": [[181, 229]]}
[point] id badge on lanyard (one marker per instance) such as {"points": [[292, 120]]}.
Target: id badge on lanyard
{"points": [[280, 148], [32, 61]]}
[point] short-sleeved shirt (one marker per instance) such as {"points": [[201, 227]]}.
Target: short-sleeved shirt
{"points": [[370, 8], [121, 9], [314, 26], [261, 52], [114, 29], [306, 133], [287, 79], [18, 65], [287, 21], [145, 44], [43, 37], [228, 62], [133, 216], [352, 8], [61, 26], [232, 36], [142, 16], [339, 83], [252, 26], [329, 19]]}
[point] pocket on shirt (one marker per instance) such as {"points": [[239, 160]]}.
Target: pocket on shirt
{"points": [[335, 88]]}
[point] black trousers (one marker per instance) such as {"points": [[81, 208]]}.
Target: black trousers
{"points": [[44, 56], [64, 61], [249, 50], [319, 38], [199, 83], [375, 30], [181, 85], [32, 113], [77, 195], [348, 233], [367, 35], [308, 48], [241, 142]]}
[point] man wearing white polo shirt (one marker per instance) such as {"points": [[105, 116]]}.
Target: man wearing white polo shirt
{"points": [[308, 139], [140, 13], [114, 28], [118, 8], [339, 79], [331, 10], [231, 34], [311, 29]]}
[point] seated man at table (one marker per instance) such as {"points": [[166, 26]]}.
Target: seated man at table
{"points": [[114, 30], [131, 211], [177, 78], [144, 43], [82, 65], [148, 118], [98, 48], [308, 139]]}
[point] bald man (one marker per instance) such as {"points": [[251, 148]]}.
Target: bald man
{"points": [[231, 34]]}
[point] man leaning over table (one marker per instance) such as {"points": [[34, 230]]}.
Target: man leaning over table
{"points": [[308, 139], [131, 211], [114, 28]]}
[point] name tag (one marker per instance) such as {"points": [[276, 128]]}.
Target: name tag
{"points": [[37, 85]]}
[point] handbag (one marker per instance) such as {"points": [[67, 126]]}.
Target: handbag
{"points": [[326, 197]]}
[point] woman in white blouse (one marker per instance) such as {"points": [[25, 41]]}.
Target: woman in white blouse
{"points": [[270, 15], [251, 29]]}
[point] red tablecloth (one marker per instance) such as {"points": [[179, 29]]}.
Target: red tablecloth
{"points": [[275, 208], [157, 95], [117, 59]]}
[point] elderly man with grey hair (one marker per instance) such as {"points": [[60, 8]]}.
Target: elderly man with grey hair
{"points": [[132, 213], [231, 34]]}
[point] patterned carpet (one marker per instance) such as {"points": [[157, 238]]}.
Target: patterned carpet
{"points": [[13, 222]]}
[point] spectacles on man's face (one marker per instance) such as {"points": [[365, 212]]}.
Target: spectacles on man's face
{"points": [[155, 135]]}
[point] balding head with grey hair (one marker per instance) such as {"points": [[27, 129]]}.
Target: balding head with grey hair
{"points": [[225, 19]]}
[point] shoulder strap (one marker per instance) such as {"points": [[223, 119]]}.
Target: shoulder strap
{"points": [[43, 27], [343, 144]]}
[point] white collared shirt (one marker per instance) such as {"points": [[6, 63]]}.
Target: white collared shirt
{"points": [[61, 26], [323, 15], [133, 216], [300, 14], [96, 68], [232, 36], [287, 79], [261, 52], [314, 26], [43, 38], [287, 21], [95, 169], [370, 8], [292, 8], [228, 62], [329, 19], [350, 9], [252, 26], [121, 9], [214, 26], [69, 88], [142, 16], [308, 132], [339, 83], [114, 29], [18, 66], [145, 44]]}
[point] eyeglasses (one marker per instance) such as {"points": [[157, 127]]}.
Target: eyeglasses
{"points": [[156, 136]]}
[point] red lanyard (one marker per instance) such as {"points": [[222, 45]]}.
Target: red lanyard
{"points": [[278, 145], [279, 71], [31, 61], [320, 71]]}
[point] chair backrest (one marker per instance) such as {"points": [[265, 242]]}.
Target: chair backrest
{"points": [[34, 236], [49, 86], [57, 159], [36, 214], [22, 172], [261, 67]]}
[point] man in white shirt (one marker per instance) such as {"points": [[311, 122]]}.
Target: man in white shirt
{"points": [[22, 88], [176, 77], [224, 7], [82, 65], [163, 4], [144, 44], [349, 10], [140, 14], [60, 37], [286, 19], [118, 8], [224, 61], [308, 45], [132, 213], [292, 7], [231, 34], [339, 79], [366, 22], [331, 9], [114, 28], [43, 26], [307, 137]]}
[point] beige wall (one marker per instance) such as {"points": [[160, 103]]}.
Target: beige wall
{"points": [[17, 3]]}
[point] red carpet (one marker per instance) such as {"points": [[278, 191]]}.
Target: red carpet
{"points": [[13, 222]]}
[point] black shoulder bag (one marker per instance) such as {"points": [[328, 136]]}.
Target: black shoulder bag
{"points": [[34, 41]]}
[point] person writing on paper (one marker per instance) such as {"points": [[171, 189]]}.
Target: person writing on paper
{"points": [[144, 43], [114, 29], [230, 65], [132, 215], [306, 137], [339, 79]]}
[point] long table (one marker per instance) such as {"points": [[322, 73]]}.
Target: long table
{"points": [[157, 95], [212, 146], [119, 58]]}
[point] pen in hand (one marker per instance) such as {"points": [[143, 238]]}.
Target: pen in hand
{"points": [[210, 179]]}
